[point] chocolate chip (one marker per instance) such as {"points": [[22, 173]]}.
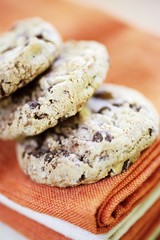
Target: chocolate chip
{"points": [[110, 173], [104, 156], [66, 92], [82, 178], [39, 36], [50, 89], [97, 137], [103, 109], [42, 168], [84, 128], [89, 163], [85, 160], [7, 49], [126, 165], [9, 123], [81, 158], [54, 165], [16, 65], [2, 92], [138, 109], [51, 101], [103, 95], [150, 130], [135, 107], [49, 157], [38, 153], [65, 153], [118, 104], [75, 145], [34, 104], [108, 137], [43, 115], [20, 82]]}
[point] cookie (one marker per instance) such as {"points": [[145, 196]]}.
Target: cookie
{"points": [[59, 93], [104, 139], [26, 50]]}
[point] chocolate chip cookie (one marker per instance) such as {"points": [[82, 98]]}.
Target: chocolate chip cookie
{"points": [[26, 50], [58, 93], [103, 139]]}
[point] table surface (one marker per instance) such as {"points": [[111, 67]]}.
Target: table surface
{"points": [[144, 14]]}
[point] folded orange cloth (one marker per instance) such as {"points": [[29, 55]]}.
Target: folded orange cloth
{"points": [[142, 229], [146, 225], [27, 227], [96, 207]]}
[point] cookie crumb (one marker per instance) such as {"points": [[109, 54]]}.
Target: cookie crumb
{"points": [[97, 137]]}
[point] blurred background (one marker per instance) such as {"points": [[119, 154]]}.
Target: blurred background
{"points": [[135, 55], [144, 14]]}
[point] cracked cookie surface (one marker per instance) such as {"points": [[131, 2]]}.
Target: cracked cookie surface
{"points": [[103, 139], [58, 93], [26, 50]]}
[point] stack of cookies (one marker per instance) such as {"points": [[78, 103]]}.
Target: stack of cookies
{"points": [[70, 128]]}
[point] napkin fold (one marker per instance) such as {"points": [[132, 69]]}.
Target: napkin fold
{"points": [[141, 222], [95, 207], [29, 228], [146, 225]]}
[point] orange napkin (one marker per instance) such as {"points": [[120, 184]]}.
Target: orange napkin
{"points": [[27, 227], [142, 229], [146, 225], [96, 207]]}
